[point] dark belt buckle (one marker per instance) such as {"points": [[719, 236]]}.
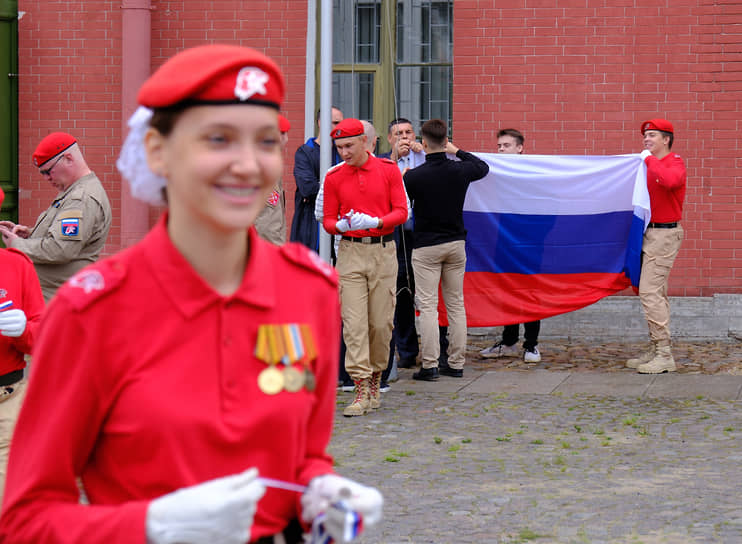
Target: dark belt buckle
{"points": [[367, 239]]}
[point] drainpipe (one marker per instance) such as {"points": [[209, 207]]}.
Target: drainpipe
{"points": [[136, 58]]}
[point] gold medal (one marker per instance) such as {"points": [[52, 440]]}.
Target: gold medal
{"points": [[293, 380], [270, 381], [309, 381]]}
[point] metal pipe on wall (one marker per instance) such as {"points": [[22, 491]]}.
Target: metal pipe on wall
{"points": [[136, 55]]}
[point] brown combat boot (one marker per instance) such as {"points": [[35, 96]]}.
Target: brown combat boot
{"points": [[662, 361], [374, 391], [360, 404], [645, 357]]}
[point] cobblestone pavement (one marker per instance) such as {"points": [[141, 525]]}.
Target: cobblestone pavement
{"points": [[456, 466], [709, 357]]}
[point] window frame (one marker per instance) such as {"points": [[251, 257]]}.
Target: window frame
{"points": [[385, 73]]}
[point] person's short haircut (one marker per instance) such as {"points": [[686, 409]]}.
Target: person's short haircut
{"points": [[398, 121], [435, 131], [516, 134], [331, 108], [669, 135]]}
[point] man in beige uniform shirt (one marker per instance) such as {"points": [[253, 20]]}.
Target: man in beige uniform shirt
{"points": [[71, 233], [271, 223]]}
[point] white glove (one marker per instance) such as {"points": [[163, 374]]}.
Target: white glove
{"points": [[219, 510], [644, 154], [343, 225], [12, 322], [325, 490], [361, 221]]}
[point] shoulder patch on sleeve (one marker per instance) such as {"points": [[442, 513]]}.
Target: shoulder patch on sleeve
{"points": [[308, 259], [69, 224], [93, 282]]}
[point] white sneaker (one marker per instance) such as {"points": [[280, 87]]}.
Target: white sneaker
{"points": [[499, 350], [532, 355]]}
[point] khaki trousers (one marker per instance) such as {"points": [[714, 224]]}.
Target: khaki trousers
{"points": [[659, 249], [368, 279], [9, 410], [444, 264]]}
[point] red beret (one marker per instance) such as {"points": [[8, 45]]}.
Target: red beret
{"points": [[657, 124], [283, 124], [51, 146], [347, 128], [216, 73]]}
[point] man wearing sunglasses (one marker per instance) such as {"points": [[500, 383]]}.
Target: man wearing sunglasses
{"points": [[71, 233]]}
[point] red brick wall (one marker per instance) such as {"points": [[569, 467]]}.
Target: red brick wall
{"points": [[578, 80], [70, 76], [575, 79], [276, 27], [68, 59]]}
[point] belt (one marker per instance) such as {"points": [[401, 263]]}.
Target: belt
{"points": [[663, 225], [11, 378], [370, 239]]}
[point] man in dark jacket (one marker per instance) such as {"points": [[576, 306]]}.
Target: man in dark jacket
{"points": [[437, 190], [304, 226]]}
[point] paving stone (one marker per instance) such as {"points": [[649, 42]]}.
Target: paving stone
{"points": [[574, 449]]}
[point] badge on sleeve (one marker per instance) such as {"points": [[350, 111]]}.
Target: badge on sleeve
{"points": [[71, 227], [88, 281], [69, 224], [274, 198]]}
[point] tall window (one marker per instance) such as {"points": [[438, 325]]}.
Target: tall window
{"points": [[393, 58], [423, 62]]}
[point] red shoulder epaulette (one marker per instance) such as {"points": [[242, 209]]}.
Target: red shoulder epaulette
{"points": [[19, 252], [93, 282], [309, 260]]}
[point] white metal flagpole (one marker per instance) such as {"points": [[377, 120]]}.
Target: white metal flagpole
{"points": [[325, 110]]}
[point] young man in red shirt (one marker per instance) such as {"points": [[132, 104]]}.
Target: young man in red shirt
{"points": [[666, 180], [366, 192]]}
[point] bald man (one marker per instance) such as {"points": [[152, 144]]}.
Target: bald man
{"points": [[71, 233]]}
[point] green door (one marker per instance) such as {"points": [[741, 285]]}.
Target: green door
{"points": [[9, 107]]}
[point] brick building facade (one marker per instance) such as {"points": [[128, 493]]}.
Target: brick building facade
{"points": [[576, 76]]}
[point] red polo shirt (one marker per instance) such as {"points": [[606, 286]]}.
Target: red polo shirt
{"points": [[19, 284], [146, 380], [374, 188], [666, 180]]}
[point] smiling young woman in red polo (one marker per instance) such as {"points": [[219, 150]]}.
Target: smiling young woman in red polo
{"points": [[188, 383]]}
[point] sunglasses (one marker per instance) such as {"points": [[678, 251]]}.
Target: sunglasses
{"points": [[49, 170]]}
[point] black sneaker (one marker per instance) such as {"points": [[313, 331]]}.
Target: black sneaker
{"points": [[426, 374], [384, 387]]}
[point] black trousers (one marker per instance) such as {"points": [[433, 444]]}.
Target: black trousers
{"points": [[343, 375], [404, 334], [530, 334]]}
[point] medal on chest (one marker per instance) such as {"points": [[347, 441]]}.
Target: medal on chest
{"points": [[293, 380], [270, 381], [286, 348]]}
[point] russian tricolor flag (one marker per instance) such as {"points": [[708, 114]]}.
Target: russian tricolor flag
{"points": [[551, 234]]}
